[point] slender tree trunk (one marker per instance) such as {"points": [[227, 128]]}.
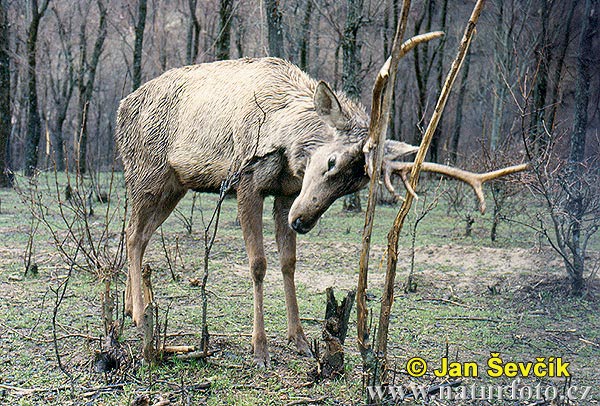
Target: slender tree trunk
{"points": [[316, 66], [5, 115], [562, 52], [224, 38], [503, 62], [351, 48], [33, 115], [459, 109], [422, 61], [192, 34], [435, 141], [575, 204], [305, 40], [543, 53], [62, 90], [239, 35], [350, 72], [274, 28], [86, 79], [139, 44]]}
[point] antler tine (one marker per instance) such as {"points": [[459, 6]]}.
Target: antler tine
{"points": [[388, 171], [475, 180]]}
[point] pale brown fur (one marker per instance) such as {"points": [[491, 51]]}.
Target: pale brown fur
{"points": [[192, 126]]}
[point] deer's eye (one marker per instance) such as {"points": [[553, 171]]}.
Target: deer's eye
{"points": [[331, 163]]}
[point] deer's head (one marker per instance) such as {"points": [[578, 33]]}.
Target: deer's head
{"points": [[336, 168]]}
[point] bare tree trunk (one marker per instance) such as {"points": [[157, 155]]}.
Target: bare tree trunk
{"points": [[562, 52], [62, 91], [316, 68], [139, 44], [459, 110], [543, 53], [435, 142], [351, 71], [503, 62], [575, 203], [305, 40], [422, 61], [85, 82], [5, 115], [33, 115], [224, 38], [351, 48], [274, 28], [193, 33], [392, 132], [239, 35]]}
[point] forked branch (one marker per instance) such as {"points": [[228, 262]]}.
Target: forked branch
{"points": [[475, 180], [379, 91]]}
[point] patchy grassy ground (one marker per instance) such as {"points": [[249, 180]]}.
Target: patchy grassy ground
{"points": [[472, 298]]}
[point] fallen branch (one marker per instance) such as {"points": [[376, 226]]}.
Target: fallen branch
{"points": [[435, 299], [177, 349], [469, 318], [307, 401]]}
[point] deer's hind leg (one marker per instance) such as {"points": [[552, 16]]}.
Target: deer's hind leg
{"points": [[286, 246], [148, 212]]}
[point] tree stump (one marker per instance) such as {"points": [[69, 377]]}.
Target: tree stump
{"points": [[335, 328], [150, 342], [150, 349]]}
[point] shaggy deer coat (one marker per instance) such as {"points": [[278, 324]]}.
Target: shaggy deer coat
{"points": [[191, 127]]}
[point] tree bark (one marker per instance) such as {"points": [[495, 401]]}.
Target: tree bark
{"points": [[139, 44], [274, 28], [422, 62], [33, 115], [543, 51], [435, 142], [193, 33], [5, 114], [331, 362], [224, 39], [85, 83], [350, 72], [62, 91], [562, 52], [239, 35], [305, 40], [459, 110], [575, 204]]}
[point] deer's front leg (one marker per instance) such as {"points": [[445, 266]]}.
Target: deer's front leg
{"points": [[286, 246], [250, 207]]}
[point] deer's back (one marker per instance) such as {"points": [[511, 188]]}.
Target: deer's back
{"points": [[198, 122]]}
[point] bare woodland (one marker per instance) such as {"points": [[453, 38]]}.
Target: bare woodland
{"points": [[528, 86], [528, 91]]}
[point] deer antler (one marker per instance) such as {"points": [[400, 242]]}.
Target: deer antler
{"points": [[475, 180]]}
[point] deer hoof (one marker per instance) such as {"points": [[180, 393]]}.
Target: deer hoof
{"points": [[262, 361], [261, 352], [301, 344]]}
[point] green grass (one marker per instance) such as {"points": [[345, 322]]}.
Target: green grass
{"points": [[526, 315]]}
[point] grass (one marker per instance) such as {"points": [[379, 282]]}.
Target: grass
{"points": [[473, 297]]}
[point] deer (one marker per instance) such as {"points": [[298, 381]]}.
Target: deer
{"points": [[286, 134]]}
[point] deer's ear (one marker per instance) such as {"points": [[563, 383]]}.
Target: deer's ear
{"points": [[328, 107], [395, 150]]}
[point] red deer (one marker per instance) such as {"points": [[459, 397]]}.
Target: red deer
{"points": [[302, 142]]}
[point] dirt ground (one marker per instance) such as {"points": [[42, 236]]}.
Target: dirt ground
{"points": [[472, 299]]}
